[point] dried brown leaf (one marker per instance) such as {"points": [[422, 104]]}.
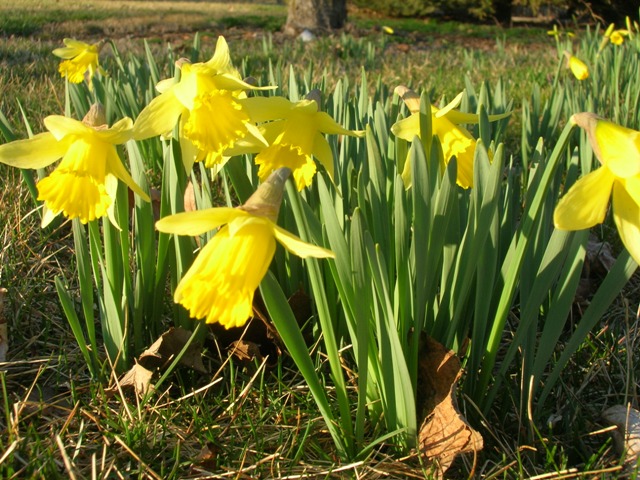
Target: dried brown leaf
{"points": [[189, 198], [445, 433], [137, 379], [245, 352], [168, 346]]}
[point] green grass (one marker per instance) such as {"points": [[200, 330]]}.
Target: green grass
{"points": [[252, 421]]}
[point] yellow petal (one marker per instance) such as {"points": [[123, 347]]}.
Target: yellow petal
{"points": [[300, 248], [449, 107], [457, 117], [116, 168], [626, 213], [221, 60], [456, 141], [326, 124], [198, 222], [120, 132], [263, 109], [159, 117], [586, 202], [322, 151], [61, 126], [407, 128], [37, 152], [619, 148]]}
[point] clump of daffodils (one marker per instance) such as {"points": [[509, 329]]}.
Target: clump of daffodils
{"points": [[84, 183]]}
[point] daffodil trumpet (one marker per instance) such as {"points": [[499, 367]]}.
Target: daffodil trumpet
{"points": [[220, 284]]}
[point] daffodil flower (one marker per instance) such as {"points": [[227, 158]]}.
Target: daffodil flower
{"points": [[221, 282], [577, 66], [446, 123], [209, 101], [84, 184], [586, 203], [617, 36], [80, 60], [294, 137]]}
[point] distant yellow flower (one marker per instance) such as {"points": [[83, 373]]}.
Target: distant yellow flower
{"points": [[555, 32], [209, 100], [220, 285], [81, 60], [617, 36], [294, 136], [577, 66], [387, 30], [586, 202], [84, 184], [446, 123]]}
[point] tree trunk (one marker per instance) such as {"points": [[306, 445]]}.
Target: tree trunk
{"points": [[317, 16], [502, 11]]}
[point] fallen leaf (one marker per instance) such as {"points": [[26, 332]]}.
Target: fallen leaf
{"points": [[168, 346], [627, 435], [4, 334], [207, 459], [245, 352], [137, 379], [445, 433], [190, 198]]}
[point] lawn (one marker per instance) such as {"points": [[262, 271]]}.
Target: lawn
{"points": [[482, 266]]}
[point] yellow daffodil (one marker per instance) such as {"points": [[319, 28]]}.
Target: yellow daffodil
{"points": [[294, 136], [617, 36], [220, 285], [577, 66], [80, 60], [84, 184], [387, 30], [210, 102], [585, 204], [446, 125]]}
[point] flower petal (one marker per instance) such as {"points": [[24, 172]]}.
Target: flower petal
{"points": [[626, 214], [61, 126], [116, 168], [586, 202], [407, 128], [159, 117], [299, 247], [619, 148], [37, 152], [198, 222], [322, 151]]}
